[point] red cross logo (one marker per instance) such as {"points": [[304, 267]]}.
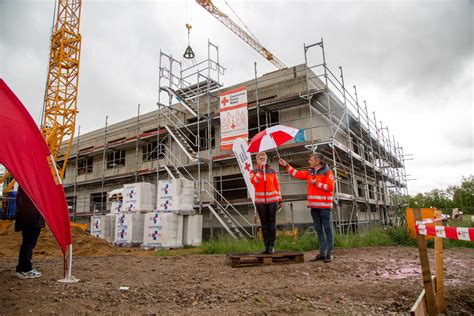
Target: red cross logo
{"points": [[233, 125], [247, 166], [224, 101]]}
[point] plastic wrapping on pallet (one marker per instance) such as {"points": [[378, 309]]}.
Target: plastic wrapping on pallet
{"points": [[163, 230], [176, 195], [97, 226], [192, 230], [129, 228], [139, 197], [110, 227]]}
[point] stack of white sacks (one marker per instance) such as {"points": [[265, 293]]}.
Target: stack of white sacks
{"points": [[163, 230], [139, 197], [176, 196], [116, 199], [129, 228], [129, 222], [167, 228], [98, 226], [166, 221]]}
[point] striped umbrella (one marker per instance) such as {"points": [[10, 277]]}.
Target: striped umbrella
{"points": [[273, 137]]}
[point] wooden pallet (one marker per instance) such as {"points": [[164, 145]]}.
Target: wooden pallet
{"points": [[256, 259]]}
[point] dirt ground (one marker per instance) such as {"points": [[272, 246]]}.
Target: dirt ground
{"points": [[368, 281]]}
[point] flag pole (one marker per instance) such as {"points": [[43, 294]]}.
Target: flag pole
{"points": [[68, 277]]}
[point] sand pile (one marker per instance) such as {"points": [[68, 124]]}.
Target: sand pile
{"points": [[83, 244]]}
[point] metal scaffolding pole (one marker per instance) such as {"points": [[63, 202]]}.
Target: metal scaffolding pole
{"points": [[373, 162], [363, 151], [136, 144], [256, 97], [75, 172], [351, 156], [103, 167]]}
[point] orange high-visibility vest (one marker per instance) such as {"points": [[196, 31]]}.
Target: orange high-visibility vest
{"points": [[267, 188], [320, 185]]}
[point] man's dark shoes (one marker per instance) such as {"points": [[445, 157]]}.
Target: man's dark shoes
{"points": [[328, 258], [318, 258], [271, 250]]}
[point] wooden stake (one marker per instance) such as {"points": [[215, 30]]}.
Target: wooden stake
{"points": [[425, 269], [439, 266]]}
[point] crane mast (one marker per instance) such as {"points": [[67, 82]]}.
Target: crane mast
{"points": [[60, 98], [231, 25]]}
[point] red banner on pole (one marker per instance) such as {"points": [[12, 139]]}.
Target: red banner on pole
{"points": [[24, 153]]}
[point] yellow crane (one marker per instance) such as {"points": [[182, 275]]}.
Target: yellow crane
{"points": [[234, 27], [60, 98]]}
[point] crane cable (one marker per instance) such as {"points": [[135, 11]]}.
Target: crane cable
{"points": [[188, 53], [41, 118], [235, 13]]}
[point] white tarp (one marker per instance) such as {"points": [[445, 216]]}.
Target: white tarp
{"points": [[116, 194]]}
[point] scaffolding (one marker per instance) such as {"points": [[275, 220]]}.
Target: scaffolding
{"points": [[179, 140], [194, 88]]}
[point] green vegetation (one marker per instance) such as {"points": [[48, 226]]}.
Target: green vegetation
{"points": [[455, 196], [375, 237]]}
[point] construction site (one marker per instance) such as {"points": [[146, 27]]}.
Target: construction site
{"points": [[148, 197], [181, 140]]}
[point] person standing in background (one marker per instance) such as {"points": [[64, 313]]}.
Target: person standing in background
{"points": [[30, 222]]}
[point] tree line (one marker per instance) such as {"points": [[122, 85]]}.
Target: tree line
{"points": [[455, 196]]}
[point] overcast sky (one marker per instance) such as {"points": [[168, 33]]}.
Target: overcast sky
{"points": [[411, 60]]}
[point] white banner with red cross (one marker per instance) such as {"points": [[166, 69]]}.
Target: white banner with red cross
{"points": [[240, 149], [234, 116]]}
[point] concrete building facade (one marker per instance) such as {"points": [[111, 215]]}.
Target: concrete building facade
{"points": [[182, 139]]}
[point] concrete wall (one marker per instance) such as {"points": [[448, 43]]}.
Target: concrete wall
{"points": [[287, 84]]}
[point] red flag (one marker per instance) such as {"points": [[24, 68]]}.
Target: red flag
{"points": [[23, 151]]}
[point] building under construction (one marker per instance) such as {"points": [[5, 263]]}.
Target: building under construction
{"points": [[182, 139]]}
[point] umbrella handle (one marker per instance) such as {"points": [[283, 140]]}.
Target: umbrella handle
{"points": [[276, 147]]}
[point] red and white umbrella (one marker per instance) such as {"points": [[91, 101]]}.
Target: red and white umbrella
{"points": [[273, 137]]}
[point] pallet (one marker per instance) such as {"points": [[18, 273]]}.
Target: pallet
{"points": [[257, 259]]}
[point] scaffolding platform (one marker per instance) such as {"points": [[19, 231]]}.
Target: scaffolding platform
{"points": [[198, 89], [236, 260]]}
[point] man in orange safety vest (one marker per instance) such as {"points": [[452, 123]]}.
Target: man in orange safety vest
{"points": [[320, 200]]}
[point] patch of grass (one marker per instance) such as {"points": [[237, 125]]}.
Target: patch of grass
{"points": [[305, 242], [374, 237], [226, 244], [451, 243], [400, 236]]}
